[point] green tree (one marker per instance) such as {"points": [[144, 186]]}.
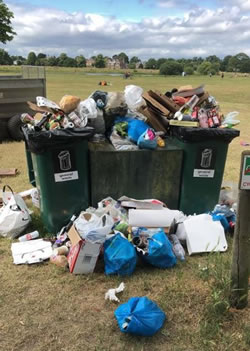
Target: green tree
{"points": [[151, 64], [224, 63], [100, 61], [123, 58], [159, 62], [134, 60], [31, 59], [6, 31], [62, 59], [189, 69], [5, 58], [245, 68], [52, 61], [171, 67], [19, 60], [205, 68], [236, 62], [80, 61]]}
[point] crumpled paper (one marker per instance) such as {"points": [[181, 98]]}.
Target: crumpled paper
{"points": [[110, 294]]}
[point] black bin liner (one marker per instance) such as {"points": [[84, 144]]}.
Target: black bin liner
{"points": [[39, 142], [188, 134]]}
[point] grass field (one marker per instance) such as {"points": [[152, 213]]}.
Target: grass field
{"points": [[43, 307]]}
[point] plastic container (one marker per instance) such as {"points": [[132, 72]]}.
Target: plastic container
{"points": [[29, 236]]}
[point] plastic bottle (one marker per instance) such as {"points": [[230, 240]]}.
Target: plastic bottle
{"points": [[202, 116], [29, 236], [177, 247]]}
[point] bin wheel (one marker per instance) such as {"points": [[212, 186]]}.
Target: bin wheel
{"points": [[14, 128], [4, 133]]}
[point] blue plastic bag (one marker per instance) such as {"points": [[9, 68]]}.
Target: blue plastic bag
{"points": [[145, 143], [160, 251], [140, 316], [119, 256], [136, 127]]}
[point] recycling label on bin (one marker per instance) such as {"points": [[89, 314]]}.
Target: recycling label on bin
{"points": [[205, 163], [245, 176], [64, 165]]}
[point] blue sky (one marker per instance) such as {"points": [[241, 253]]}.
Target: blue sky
{"points": [[125, 9], [143, 28]]}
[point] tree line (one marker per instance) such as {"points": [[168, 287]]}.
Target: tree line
{"points": [[168, 66]]}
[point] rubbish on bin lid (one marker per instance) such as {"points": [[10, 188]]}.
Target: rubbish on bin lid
{"points": [[29, 236], [99, 95], [40, 141], [151, 204], [69, 103], [29, 252], [140, 316], [153, 218], [188, 90], [133, 96], [147, 140], [59, 260], [26, 118], [36, 108], [111, 293], [121, 143], [230, 118], [204, 235], [42, 101]]}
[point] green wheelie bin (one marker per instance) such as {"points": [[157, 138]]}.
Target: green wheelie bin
{"points": [[60, 164], [204, 158]]}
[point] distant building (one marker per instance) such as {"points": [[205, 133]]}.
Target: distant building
{"points": [[113, 63], [90, 62]]}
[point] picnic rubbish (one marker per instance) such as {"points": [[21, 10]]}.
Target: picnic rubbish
{"points": [[111, 293], [140, 316]]}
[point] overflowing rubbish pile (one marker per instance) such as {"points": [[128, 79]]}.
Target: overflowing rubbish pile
{"points": [[120, 233], [131, 119]]}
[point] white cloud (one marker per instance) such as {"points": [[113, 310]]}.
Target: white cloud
{"points": [[199, 32]]}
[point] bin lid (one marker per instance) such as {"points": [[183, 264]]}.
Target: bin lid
{"points": [[200, 134], [41, 141]]}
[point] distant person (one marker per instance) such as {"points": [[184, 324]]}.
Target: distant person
{"points": [[210, 74], [222, 75], [127, 75]]}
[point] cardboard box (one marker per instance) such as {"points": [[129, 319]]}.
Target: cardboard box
{"points": [[83, 255]]}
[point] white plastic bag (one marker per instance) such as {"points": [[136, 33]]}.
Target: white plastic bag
{"points": [[133, 96], [89, 224], [230, 118], [14, 215], [87, 109]]}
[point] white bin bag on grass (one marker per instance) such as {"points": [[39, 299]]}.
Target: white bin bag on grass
{"points": [[204, 235], [14, 215]]}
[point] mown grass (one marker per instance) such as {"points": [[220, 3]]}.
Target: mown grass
{"points": [[43, 307]]}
